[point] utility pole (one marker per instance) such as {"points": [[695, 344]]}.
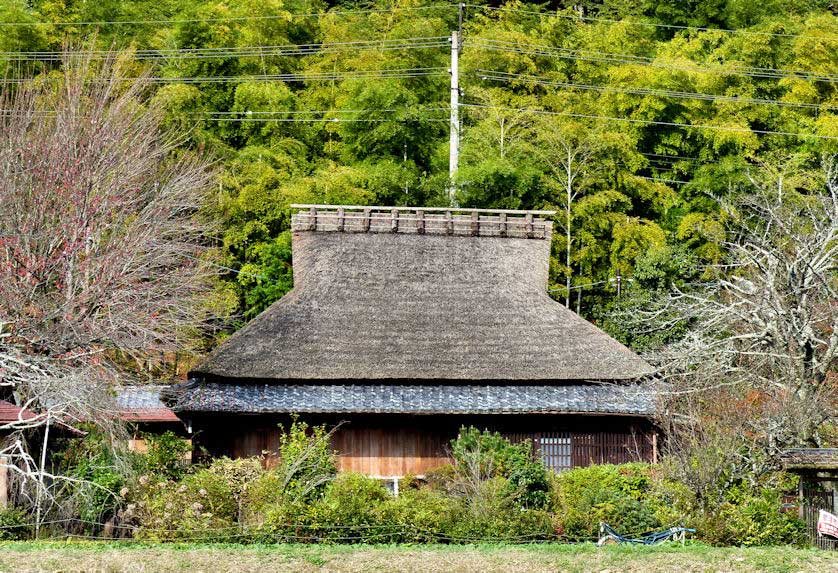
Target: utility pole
{"points": [[619, 283], [454, 128]]}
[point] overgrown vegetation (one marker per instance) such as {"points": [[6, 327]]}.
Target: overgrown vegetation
{"points": [[493, 491]]}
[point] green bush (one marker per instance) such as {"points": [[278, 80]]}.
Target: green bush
{"points": [[482, 455], [201, 507], [492, 513], [418, 516], [622, 496], [351, 510], [98, 474], [165, 454], [749, 519], [304, 466], [15, 524], [239, 475], [281, 496]]}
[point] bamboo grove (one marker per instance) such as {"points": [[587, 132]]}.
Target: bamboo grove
{"points": [[632, 120]]}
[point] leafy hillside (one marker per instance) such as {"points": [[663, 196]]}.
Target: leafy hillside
{"points": [[630, 119]]}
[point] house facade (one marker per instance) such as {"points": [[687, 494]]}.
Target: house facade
{"points": [[405, 324]]}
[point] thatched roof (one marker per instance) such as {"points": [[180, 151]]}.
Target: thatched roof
{"points": [[810, 459], [431, 297], [625, 399]]}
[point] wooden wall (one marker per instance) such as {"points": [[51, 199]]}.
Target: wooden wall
{"points": [[390, 452], [394, 446]]}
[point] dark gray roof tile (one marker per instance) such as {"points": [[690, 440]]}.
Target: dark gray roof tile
{"points": [[633, 399]]}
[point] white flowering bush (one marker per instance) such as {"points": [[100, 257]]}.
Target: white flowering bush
{"points": [[202, 506]]}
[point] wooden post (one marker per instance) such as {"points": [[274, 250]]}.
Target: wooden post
{"points": [[394, 221], [528, 220], [4, 483], [449, 223], [341, 219], [503, 227], [365, 224], [312, 219], [475, 224], [654, 447], [800, 499], [420, 222]]}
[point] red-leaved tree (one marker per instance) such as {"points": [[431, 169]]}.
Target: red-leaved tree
{"points": [[101, 236]]}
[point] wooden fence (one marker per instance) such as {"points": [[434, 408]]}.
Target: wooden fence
{"points": [[813, 502], [564, 450]]}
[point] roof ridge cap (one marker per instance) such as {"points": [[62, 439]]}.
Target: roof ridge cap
{"points": [[450, 221]]}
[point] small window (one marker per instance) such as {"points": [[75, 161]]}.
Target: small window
{"points": [[555, 452]]}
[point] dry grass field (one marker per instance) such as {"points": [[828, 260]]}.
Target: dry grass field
{"points": [[115, 558]]}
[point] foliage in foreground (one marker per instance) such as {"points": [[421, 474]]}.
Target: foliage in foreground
{"points": [[494, 492]]}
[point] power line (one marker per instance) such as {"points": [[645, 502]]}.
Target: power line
{"points": [[662, 180], [309, 120], [620, 58], [229, 269], [651, 122], [493, 75], [288, 77], [588, 285], [652, 24], [319, 111], [234, 18], [240, 51]]}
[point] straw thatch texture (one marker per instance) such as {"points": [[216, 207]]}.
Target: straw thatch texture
{"points": [[406, 306], [630, 399]]}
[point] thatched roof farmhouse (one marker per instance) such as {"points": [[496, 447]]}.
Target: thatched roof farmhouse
{"points": [[406, 323]]}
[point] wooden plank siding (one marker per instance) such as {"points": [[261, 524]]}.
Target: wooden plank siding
{"points": [[394, 445], [387, 452]]}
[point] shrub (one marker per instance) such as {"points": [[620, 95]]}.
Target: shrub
{"points": [[305, 465], [98, 473], [748, 518], [14, 524], [418, 516], [492, 513], [202, 506], [351, 510], [165, 454], [306, 461], [621, 496], [239, 475], [483, 455]]}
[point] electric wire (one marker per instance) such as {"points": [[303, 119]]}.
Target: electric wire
{"points": [[234, 18], [669, 64], [651, 122], [493, 75], [241, 51], [284, 77], [595, 19]]}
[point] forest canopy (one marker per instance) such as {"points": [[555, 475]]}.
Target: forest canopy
{"points": [[634, 120]]}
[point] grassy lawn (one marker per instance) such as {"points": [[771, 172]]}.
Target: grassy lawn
{"points": [[132, 557]]}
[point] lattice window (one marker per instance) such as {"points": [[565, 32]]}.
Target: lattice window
{"points": [[555, 451]]}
